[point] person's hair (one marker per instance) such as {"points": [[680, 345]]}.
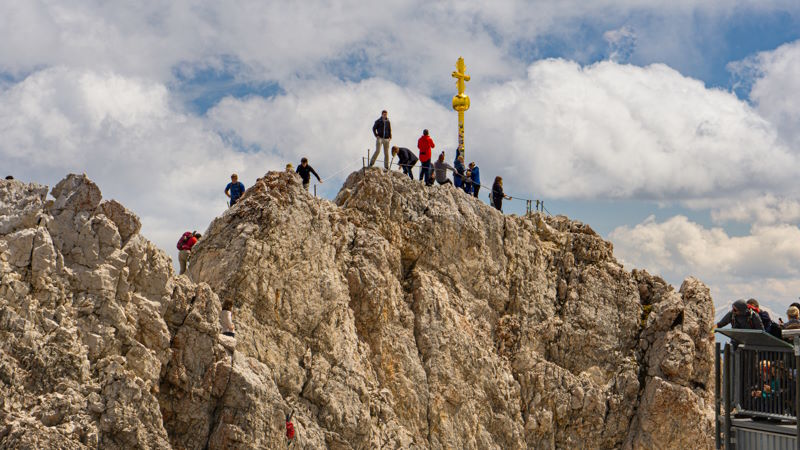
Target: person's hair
{"points": [[441, 156], [233, 175], [793, 312], [425, 132], [384, 112], [394, 149], [289, 166], [196, 234], [9, 177], [461, 158], [227, 305], [471, 163], [303, 160], [498, 180], [796, 305], [753, 302]]}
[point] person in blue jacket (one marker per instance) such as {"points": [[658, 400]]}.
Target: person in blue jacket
{"points": [[234, 189], [475, 177], [458, 175]]}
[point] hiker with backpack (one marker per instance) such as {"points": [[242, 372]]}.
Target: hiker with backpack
{"points": [[185, 244], [742, 317], [234, 189], [305, 171], [405, 159]]}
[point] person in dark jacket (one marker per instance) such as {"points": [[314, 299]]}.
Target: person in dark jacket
{"points": [[305, 171], [382, 129], [497, 194], [769, 326], [475, 178], [405, 159], [458, 174], [742, 317]]}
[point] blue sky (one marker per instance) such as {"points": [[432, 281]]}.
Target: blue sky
{"points": [[671, 127]]}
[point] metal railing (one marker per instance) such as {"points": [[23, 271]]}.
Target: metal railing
{"points": [[766, 387]]}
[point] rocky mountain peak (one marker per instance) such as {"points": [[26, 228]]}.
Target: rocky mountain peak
{"points": [[395, 316]]}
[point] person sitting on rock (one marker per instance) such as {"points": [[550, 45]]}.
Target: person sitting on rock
{"points": [[226, 319], [769, 326], [234, 189], [440, 168], [406, 159], [305, 172], [185, 245], [741, 317]]}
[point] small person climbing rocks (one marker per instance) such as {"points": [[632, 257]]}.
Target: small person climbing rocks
{"points": [[226, 319], [185, 244], [291, 436], [305, 171]]}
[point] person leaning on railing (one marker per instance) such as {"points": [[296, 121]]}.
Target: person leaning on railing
{"points": [[742, 317]]}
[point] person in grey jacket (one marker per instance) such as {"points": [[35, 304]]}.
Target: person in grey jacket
{"points": [[742, 317], [440, 169]]}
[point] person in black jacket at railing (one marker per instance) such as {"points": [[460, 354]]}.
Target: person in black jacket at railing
{"points": [[741, 317], [405, 159]]}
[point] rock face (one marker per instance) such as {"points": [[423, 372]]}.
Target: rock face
{"points": [[397, 316]]}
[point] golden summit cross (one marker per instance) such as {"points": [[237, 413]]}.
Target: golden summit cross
{"points": [[460, 100]]}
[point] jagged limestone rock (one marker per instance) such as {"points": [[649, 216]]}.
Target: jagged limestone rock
{"points": [[397, 316]]}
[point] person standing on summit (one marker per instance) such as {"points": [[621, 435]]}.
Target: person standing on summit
{"points": [[234, 189], [305, 172], [425, 144], [382, 129]]}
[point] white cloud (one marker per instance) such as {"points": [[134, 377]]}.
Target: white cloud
{"points": [[764, 264], [125, 134]]}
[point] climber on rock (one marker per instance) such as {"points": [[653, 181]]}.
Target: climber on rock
{"points": [[498, 195], [234, 189], [305, 171], [291, 436], [742, 317], [441, 168], [185, 244], [406, 159], [226, 319], [425, 144]]}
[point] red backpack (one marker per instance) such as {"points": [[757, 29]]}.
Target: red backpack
{"points": [[184, 238]]}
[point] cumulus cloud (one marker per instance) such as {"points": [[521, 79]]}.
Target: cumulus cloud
{"points": [[764, 264], [128, 136]]}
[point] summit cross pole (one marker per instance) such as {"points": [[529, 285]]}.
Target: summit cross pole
{"points": [[461, 101]]}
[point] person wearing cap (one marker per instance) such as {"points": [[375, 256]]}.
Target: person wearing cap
{"points": [[742, 317], [405, 159], [425, 144], [382, 129], [441, 168], [234, 189], [305, 171]]}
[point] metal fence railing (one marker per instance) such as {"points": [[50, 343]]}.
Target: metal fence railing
{"points": [[766, 387]]}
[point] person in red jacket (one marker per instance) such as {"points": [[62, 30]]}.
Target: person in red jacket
{"points": [[185, 245], [425, 144]]}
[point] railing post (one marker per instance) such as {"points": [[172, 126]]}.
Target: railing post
{"points": [[717, 440], [315, 190], [726, 379], [797, 390]]}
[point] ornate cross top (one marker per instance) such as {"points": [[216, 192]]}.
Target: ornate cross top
{"points": [[460, 75]]}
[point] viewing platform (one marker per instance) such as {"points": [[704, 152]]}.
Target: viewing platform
{"points": [[756, 386]]}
